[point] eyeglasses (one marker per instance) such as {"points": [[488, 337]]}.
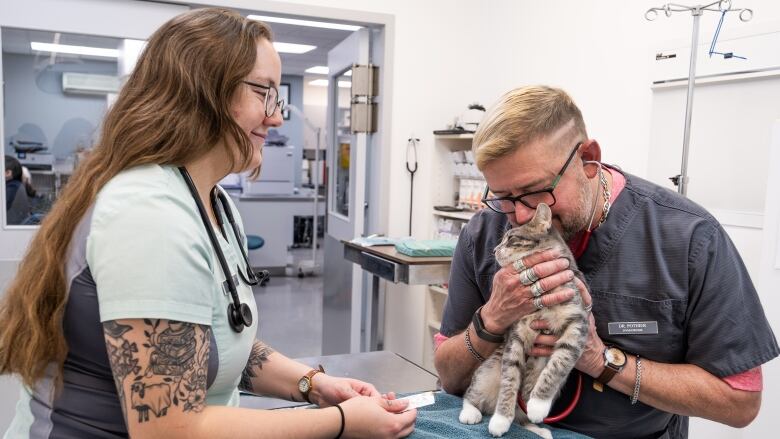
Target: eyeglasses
{"points": [[529, 199], [270, 96]]}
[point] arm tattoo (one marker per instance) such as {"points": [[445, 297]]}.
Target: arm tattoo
{"points": [[258, 356], [121, 356], [175, 375]]}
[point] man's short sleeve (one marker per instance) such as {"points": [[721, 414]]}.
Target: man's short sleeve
{"points": [[464, 296], [149, 258], [727, 331]]}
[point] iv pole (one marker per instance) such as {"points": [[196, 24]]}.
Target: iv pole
{"points": [[681, 180]]}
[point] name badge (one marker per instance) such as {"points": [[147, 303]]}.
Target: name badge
{"points": [[633, 328]]}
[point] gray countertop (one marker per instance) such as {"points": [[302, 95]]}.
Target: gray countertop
{"points": [[388, 371], [277, 197]]}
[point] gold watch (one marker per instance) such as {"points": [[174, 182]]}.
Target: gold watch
{"points": [[614, 362], [305, 384]]}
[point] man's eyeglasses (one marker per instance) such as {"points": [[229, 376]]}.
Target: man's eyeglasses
{"points": [[270, 96], [529, 199]]}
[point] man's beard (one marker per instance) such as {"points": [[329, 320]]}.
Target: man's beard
{"points": [[579, 219]]}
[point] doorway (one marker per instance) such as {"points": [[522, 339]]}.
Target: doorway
{"points": [[315, 301]]}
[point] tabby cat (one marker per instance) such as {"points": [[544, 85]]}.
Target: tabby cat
{"points": [[495, 384]]}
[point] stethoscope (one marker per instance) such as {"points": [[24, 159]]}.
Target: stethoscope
{"points": [[411, 166], [239, 314]]}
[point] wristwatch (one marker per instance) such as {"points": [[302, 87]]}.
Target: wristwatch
{"points": [[614, 362], [484, 334], [305, 384]]}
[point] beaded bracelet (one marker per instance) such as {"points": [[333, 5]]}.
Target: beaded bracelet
{"points": [[471, 349]]}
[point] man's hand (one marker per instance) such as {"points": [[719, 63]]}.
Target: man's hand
{"points": [[510, 299]]}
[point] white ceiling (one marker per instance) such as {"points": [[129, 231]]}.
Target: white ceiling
{"points": [[324, 39], [18, 41]]}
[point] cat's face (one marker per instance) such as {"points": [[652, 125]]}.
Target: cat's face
{"points": [[530, 237]]}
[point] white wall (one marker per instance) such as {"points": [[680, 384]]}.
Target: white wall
{"points": [[768, 281]]}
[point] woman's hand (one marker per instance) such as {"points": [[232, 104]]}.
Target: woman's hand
{"points": [[329, 390], [377, 417], [510, 299]]}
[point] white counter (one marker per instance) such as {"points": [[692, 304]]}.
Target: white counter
{"points": [[271, 218]]}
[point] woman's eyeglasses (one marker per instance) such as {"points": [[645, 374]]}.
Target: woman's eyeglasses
{"points": [[270, 96]]}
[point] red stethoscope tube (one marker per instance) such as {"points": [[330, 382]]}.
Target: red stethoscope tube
{"points": [[559, 417]]}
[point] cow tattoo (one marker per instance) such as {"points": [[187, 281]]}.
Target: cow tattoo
{"points": [[175, 375]]}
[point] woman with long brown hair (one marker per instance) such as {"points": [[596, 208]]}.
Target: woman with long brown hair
{"points": [[116, 321]]}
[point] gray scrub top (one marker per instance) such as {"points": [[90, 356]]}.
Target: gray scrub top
{"points": [[661, 258]]}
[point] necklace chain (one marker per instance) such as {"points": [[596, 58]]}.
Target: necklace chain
{"points": [[607, 195]]}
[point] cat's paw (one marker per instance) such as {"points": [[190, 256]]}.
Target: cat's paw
{"points": [[499, 425], [469, 414], [539, 431], [538, 409]]}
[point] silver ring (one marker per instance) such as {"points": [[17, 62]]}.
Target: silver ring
{"points": [[538, 303], [527, 276], [518, 265], [589, 308], [536, 289]]}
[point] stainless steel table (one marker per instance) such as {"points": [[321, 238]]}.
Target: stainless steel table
{"points": [[387, 263], [388, 371]]}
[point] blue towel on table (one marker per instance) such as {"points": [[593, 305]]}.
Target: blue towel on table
{"points": [[440, 420]]}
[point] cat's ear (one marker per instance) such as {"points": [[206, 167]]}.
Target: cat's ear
{"points": [[543, 216]]}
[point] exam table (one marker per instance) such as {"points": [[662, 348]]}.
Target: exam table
{"points": [[390, 372]]}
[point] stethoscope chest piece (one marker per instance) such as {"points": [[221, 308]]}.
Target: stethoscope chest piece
{"points": [[239, 317]]}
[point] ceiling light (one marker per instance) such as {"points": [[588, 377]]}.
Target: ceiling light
{"points": [[292, 48], [75, 50], [308, 23], [323, 70], [324, 83], [318, 70]]}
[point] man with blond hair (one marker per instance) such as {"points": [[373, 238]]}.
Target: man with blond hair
{"points": [[676, 328]]}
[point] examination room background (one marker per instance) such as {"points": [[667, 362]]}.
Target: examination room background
{"points": [[443, 55]]}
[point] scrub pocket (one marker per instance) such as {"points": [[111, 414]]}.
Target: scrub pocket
{"points": [[667, 346], [485, 281]]}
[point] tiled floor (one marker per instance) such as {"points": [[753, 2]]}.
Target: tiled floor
{"points": [[290, 311]]}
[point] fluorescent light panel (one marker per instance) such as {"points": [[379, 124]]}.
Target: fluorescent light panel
{"points": [[323, 70], [296, 22], [293, 48], [318, 70], [324, 83], [75, 50]]}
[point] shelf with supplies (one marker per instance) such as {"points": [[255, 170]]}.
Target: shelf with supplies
{"points": [[435, 298], [455, 142], [462, 136], [458, 184], [464, 215]]}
